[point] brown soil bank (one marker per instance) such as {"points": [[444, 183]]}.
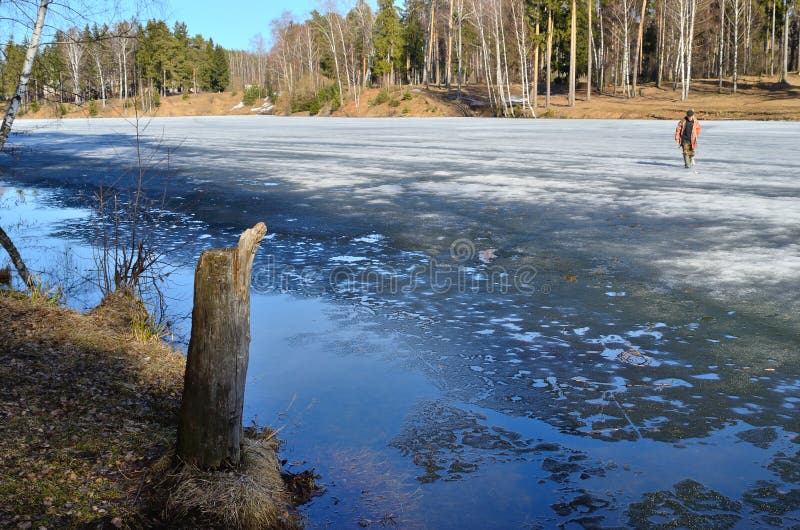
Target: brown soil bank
{"points": [[756, 99], [87, 414]]}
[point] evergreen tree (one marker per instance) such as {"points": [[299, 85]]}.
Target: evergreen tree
{"points": [[181, 57], [414, 33], [219, 75], [13, 55], [155, 54], [388, 41]]}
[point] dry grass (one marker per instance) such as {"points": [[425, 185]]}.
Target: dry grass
{"points": [[399, 102], [203, 104], [87, 412], [251, 497], [758, 98]]}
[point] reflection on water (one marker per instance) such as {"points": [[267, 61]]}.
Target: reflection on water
{"points": [[460, 377], [476, 416]]}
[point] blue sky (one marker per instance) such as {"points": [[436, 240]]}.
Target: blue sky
{"points": [[233, 23]]}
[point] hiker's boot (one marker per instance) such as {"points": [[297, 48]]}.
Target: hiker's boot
{"points": [[686, 161]]}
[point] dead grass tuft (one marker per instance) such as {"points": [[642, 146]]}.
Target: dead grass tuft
{"points": [[119, 310], [253, 496]]}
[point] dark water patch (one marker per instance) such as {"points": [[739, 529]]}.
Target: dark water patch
{"points": [[774, 505], [688, 505], [761, 438]]}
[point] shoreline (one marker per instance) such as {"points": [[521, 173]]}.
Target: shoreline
{"points": [[757, 99], [89, 414]]}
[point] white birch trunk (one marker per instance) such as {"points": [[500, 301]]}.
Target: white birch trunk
{"points": [[785, 61], [589, 51], [25, 75], [736, 8], [572, 53]]}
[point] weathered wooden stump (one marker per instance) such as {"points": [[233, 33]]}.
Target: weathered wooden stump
{"points": [[210, 421]]}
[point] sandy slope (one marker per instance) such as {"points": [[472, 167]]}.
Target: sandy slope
{"points": [[756, 99]]}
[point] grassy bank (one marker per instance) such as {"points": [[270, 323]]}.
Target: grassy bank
{"points": [[86, 412], [757, 98], [87, 422]]}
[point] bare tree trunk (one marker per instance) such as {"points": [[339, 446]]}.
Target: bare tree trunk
{"points": [[498, 59], [589, 50], [690, 45], [16, 259], [99, 66], [502, 36], [785, 62], [680, 60], [637, 60], [535, 81], [626, 55], [661, 32], [350, 73], [772, 42], [25, 75], [720, 53], [331, 38], [797, 43], [75, 56], [572, 54], [429, 45], [437, 78], [549, 55], [520, 34], [601, 79], [748, 41], [125, 72], [460, 41], [736, 7], [449, 68], [210, 420], [479, 22], [119, 71]]}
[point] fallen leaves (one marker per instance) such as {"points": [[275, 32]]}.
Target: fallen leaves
{"points": [[83, 416]]}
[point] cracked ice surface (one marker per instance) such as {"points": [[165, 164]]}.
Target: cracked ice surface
{"points": [[729, 226], [670, 318]]}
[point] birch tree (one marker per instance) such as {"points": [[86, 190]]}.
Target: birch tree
{"points": [[785, 61], [448, 71], [721, 49], [549, 54], [589, 51], [74, 48], [637, 60], [572, 48], [736, 9], [24, 78], [684, 12], [429, 44]]}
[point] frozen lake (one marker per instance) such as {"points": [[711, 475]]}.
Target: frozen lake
{"points": [[485, 323]]}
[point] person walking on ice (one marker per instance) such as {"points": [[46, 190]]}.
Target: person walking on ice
{"points": [[686, 137]]}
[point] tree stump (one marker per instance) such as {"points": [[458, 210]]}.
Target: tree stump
{"points": [[210, 421]]}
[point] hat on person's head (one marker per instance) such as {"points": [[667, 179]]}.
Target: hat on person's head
{"points": [[690, 112]]}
